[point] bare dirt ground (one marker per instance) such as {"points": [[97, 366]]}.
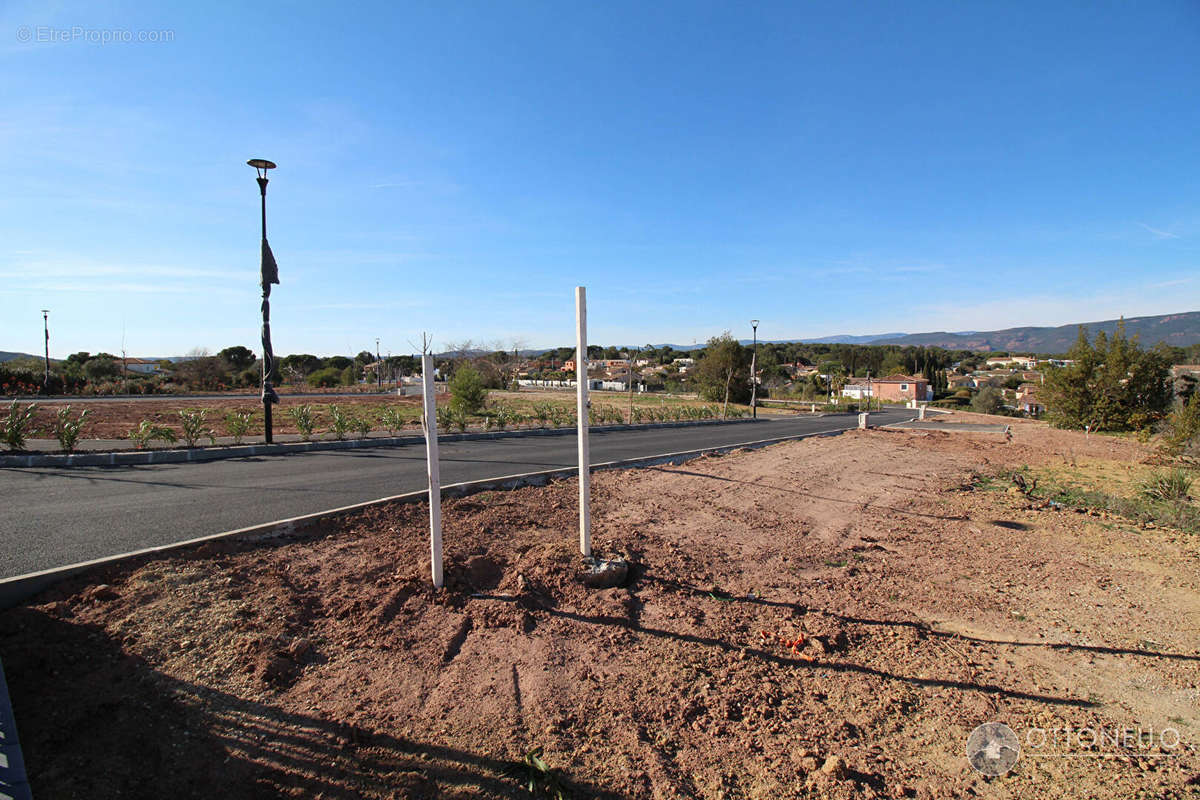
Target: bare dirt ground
{"points": [[926, 603]]}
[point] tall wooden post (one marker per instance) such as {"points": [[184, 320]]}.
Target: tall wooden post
{"points": [[581, 409], [433, 470]]}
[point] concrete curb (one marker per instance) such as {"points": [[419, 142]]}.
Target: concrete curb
{"points": [[19, 588], [198, 454]]}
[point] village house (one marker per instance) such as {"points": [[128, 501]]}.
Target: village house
{"points": [[892, 389], [1027, 400], [1019, 362], [902, 388]]}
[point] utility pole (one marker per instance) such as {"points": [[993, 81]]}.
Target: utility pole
{"points": [[46, 331]]}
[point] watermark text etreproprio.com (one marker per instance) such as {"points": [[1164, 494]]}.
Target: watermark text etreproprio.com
{"points": [[49, 34]]}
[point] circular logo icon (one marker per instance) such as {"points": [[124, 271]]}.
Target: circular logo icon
{"points": [[993, 749]]}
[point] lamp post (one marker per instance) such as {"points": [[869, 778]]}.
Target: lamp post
{"points": [[46, 331], [754, 372], [378, 366], [270, 275], [870, 394]]}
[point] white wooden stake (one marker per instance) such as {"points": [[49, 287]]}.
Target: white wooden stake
{"points": [[433, 471], [581, 411]]}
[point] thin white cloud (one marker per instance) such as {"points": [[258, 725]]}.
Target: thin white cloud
{"points": [[1158, 234]]}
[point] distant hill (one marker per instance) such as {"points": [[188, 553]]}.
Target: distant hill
{"points": [[848, 339], [7, 356], [1178, 330]]}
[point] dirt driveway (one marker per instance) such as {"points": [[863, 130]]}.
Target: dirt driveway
{"points": [[824, 618]]}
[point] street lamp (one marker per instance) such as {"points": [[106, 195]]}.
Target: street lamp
{"points": [[46, 330], [378, 366], [270, 274], [753, 372]]}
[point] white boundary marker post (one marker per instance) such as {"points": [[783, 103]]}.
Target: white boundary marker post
{"points": [[581, 411], [433, 470]]}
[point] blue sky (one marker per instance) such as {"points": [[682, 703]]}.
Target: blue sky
{"points": [[458, 168]]}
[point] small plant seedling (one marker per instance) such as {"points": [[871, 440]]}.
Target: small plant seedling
{"points": [[67, 430], [392, 419], [541, 779], [342, 422], [302, 418], [148, 431], [192, 422], [238, 424], [18, 425]]}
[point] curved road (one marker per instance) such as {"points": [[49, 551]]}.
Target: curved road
{"points": [[52, 517]]}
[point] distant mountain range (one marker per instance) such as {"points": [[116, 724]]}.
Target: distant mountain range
{"points": [[1178, 330]]}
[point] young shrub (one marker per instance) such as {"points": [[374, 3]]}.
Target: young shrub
{"points": [[467, 390], [302, 418], [18, 425], [1181, 434], [1169, 486], [392, 419], [67, 430], [361, 426], [543, 413], [148, 431], [192, 422], [444, 420], [238, 424], [342, 422]]}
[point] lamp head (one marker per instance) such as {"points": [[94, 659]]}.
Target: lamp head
{"points": [[754, 323], [261, 165]]}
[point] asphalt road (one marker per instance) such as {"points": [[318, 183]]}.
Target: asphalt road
{"points": [[51, 517]]}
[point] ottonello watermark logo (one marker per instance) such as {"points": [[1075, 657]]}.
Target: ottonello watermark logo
{"points": [[993, 748]]}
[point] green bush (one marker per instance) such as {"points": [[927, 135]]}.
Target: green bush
{"points": [[467, 390], [342, 422], [392, 419], [988, 401], [18, 425], [238, 423], [325, 378], [192, 422], [543, 413], [67, 430], [149, 431], [1169, 486], [302, 418], [1181, 434], [458, 418], [361, 426], [1112, 384]]}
